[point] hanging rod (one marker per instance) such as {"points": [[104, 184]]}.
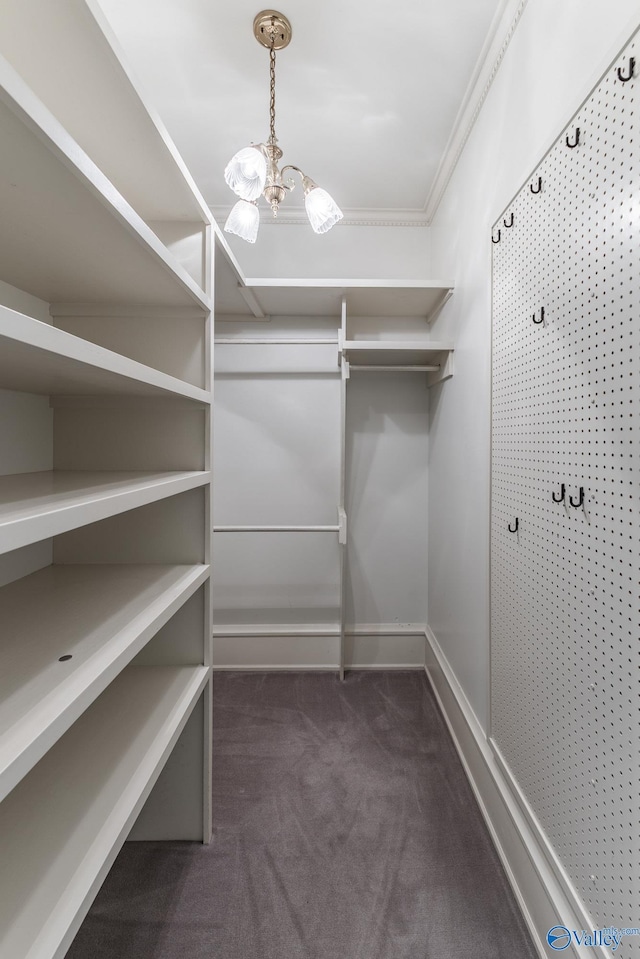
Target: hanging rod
{"points": [[276, 529], [271, 341], [394, 369], [302, 371]]}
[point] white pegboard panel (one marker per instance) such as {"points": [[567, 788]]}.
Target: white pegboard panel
{"points": [[565, 596]]}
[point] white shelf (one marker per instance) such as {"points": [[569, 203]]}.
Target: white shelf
{"points": [[101, 220], [101, 617], [68, 235], [63, 825], [35, 506], [38, 358], [71, 50], [396, 352], [388, 298]]}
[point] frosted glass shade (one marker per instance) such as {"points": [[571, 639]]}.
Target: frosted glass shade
{"points": [[322, 210], [246, 173], [244, 221]]}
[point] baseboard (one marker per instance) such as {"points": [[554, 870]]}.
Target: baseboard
{"points": [[545, 899], [315, 646]]}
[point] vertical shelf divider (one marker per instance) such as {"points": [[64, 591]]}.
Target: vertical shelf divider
{"points": [[343, 485]]}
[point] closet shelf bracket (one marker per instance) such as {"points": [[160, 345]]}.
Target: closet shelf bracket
{"points": [[342, 526]]}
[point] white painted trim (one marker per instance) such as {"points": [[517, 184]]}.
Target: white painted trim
{"points": [[585, 920], [264, 630], [316, 667], [276, 529], [296, 216], [348, 285], [242, 318], [222, 248], [519, 840], [114, 310], [251, 300], [276, 668], [273, 341], [317, 646], [498, 39]]}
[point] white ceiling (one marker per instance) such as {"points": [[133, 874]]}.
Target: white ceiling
{"points": [[367, 93]]}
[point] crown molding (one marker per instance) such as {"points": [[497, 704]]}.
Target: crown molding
{"points": [[295, 216], [498, 39]]}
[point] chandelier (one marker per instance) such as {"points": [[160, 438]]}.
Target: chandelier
{"points": [[254, 171]]}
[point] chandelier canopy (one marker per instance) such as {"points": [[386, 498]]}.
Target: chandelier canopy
{"points": [[254, 171]]}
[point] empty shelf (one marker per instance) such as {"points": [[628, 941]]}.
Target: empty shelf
{"points": [[35, 506], [292, 297], [97, 618], [92, 783], [68, 235], [69, 44], [395, 352], [38, 358]]}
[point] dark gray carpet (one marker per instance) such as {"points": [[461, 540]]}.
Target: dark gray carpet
{"points": [[344, 829]]}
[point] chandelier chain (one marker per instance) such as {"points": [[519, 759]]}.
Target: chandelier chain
{"points": [[272, 100]]}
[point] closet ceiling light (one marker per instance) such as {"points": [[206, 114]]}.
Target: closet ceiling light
{"points": [[254, 171]]}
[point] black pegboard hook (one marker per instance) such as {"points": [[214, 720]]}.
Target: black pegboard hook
{"points": [[539, 186], [510, 223], [580, 501], [493, 239], [559, 499], [515, 528], [631, 73], [576, 139], [541, 320]]}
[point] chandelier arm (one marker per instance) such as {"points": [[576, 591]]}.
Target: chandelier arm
{"points": [[307, 183], [290, 184]]}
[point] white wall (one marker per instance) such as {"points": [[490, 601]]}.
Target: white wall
{"points": [[26, 439], [357, 252], [557, 54], [277, 461], [387, 453], [23, 302]]}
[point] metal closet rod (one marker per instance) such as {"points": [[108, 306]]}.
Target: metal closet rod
{"points": [[298, 371], [276, 529], [393, 369], [272, 341]]}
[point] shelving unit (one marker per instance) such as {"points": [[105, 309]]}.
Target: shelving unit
{"points": [[379, 334], [105, 478], [130, 145], [252, 298], [98, 618], [354, 326], [35, 506], [38, 358], [400, 356], [59, 257], [94, 781]]}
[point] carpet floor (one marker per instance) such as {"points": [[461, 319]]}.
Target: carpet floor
{"points": [[345, 828]]}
